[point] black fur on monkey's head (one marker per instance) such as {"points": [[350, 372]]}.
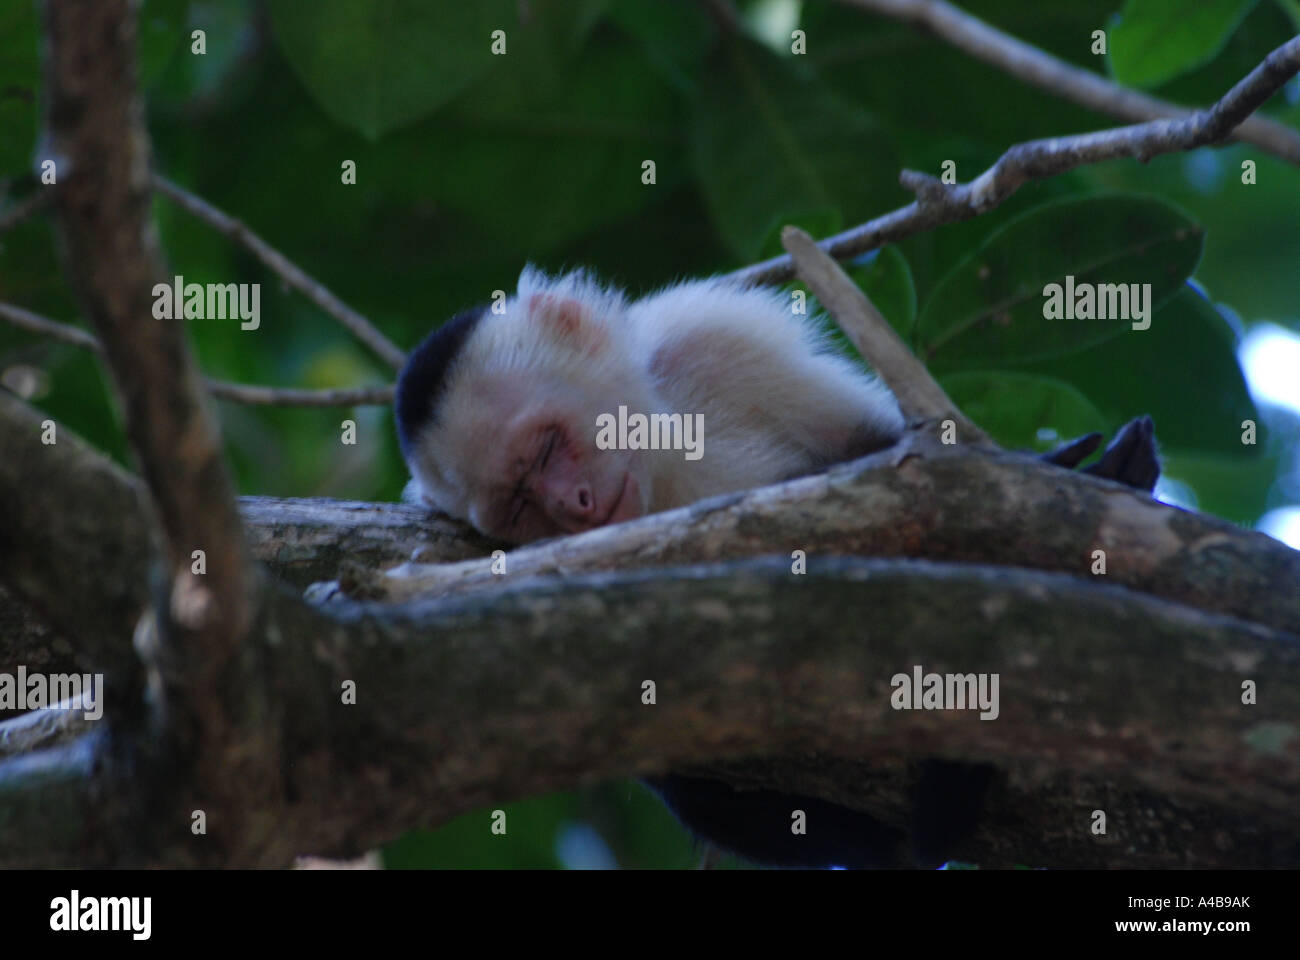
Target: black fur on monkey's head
{"points": [[424, 378]]}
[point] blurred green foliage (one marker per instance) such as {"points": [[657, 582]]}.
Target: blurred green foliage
{"points": [[469, 164]]}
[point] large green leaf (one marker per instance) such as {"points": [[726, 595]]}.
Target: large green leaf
{"points": [[770, 140], [1228, 486], [1265, 27], [1183, 371], [1024, 410], [990, 308], [1251, 243], [1156, 40], [376, 65], [674, 36]]}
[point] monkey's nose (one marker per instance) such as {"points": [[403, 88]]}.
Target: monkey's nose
{"points": [[582, 503]]}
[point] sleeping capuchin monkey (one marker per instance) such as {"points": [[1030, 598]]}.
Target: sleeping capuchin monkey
{"points": [[565, 408], [499, 414]]}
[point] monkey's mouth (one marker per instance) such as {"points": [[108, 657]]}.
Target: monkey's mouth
{"points": [[627, 505]]}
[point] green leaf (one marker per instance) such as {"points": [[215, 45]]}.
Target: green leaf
{"points": [[815, 223], [1024, 410], [873, 61], [19, 84], [1230, 487], [570, 21], [1265, 27], [376, 65], [162, 28], [989, 309], [674, 36], [771, 140], [227, 37], [1156, 40], [466, 842], [1183, 371], [887, 281]]}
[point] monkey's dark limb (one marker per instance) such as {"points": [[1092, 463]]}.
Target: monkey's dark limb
{"points": [[756, 825], [1131, 458], [947, 802], [1071, 454]]}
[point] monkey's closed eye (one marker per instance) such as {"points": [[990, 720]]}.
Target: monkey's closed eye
{"points": [[517, 513], [550, 445]]}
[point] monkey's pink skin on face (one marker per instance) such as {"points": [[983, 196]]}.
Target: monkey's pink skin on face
{"points": [[627, 503], [575, 487]]}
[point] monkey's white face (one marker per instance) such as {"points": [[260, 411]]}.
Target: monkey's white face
{"points": [[516, 456], [548, 477]]}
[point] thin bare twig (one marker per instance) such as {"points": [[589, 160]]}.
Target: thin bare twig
{"points": [[292, 275], [50, 328], [1039, 68], [289, 272], [295, 397], [919, 397], [226, 390], [27, 208], [939, 203]]}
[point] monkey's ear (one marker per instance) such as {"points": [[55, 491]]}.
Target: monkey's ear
{"points": [[566, 319], [563, 315]]}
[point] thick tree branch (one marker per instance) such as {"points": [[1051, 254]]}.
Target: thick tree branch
{"points": [[751, 660], [303, 541], [289, 272], [44, 728], [939, 203], [1034, 66], [80, 532], [932, 500]]}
